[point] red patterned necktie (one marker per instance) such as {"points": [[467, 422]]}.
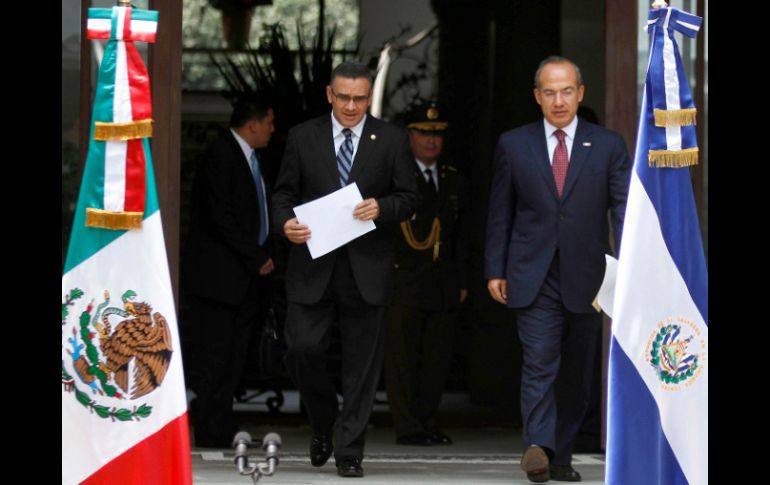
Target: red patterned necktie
{"points": [[560, 161]]}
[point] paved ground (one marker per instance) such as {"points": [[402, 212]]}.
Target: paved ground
{"points": [[483, 452]]}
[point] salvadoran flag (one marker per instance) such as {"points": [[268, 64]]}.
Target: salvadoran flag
{"points": [[124, 408], [658, 371]]}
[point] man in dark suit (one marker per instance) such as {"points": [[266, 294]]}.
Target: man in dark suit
{"points": [[350, 286], [226, 266], [430, 264], [547, 233]]}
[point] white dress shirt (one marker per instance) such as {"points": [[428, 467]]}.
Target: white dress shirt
{"points": [[552, 141], [339, 138]]}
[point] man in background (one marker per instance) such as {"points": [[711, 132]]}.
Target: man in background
{"points": [[226, 266], [431, 256]]}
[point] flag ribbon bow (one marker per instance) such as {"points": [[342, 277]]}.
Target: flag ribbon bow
{"points": [[671, 111], [122, 117]]}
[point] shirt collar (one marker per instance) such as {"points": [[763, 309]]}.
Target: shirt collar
{"points": [[247, 150], [570, 129], [424, 167], [337, 127]]}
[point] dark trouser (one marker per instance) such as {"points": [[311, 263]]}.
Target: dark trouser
{"points": [[362, 338], [220, 343], [418, 354], [559, 348]]}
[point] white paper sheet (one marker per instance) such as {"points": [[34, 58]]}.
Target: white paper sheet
{"points": [[331, 220], [606, 296]]}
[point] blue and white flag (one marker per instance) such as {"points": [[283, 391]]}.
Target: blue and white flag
{"points": [[658, 375]]}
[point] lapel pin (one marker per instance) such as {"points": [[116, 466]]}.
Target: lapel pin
{"points": [[586, 143], [373, 137]]}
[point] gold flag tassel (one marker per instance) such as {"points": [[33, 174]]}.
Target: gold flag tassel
{"points": [[433, 239], [673, 159], [122, 131], [676, 117], [113, 220]]}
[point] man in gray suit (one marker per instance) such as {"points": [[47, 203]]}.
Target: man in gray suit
{"points": [[547, 233], [351, 286]]}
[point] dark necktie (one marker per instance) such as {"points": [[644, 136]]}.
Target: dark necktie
{"points": [[260, 198], [560, 161], [345, 157], [431, 182]]}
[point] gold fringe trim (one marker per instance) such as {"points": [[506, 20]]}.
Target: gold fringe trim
{"points": [[433, 239], [429, 125], [673, 159], [113, 220], [677, 117], [122, 131]]}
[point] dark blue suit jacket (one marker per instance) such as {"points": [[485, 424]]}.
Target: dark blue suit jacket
{"points": [[528, 221]]}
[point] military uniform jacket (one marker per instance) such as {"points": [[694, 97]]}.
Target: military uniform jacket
{"points": [[421, 281]]}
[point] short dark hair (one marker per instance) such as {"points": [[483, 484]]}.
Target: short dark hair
{"points": [[352, 70], [251, 107], [557, 60]]}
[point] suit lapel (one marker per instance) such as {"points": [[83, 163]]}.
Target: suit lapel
{"points": [[581, 147], [325, 147], [365, 147], [539, 149]]}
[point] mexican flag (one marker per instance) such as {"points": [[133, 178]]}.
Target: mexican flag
{"points": [[124, 410]]}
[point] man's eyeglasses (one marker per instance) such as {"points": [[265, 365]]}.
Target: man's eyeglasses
{"points": [[345, 99]]}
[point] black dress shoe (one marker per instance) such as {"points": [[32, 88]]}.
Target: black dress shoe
{"points": [[349, 466], [321, 448], [535, 463], [415, 439], [564, 473], [439, 438]]}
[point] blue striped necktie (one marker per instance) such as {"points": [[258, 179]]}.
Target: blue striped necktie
{"points": [[260, 198], [345, 157]]}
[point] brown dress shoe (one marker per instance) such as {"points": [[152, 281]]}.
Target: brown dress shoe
{"points": [[535, 463]]}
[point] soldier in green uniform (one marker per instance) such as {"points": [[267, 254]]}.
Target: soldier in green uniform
{"points": [[431, 254]]}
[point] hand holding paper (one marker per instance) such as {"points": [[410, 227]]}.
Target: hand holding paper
{"points": [[367, 210], [333, 220]]}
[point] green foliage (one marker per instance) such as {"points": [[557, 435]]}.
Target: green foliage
{"points": [[143, 411], [102, 411], [82, 397], [123, 414], [74, 295], [64, 374], [202, 26], [271, 70], [91, 352]]}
